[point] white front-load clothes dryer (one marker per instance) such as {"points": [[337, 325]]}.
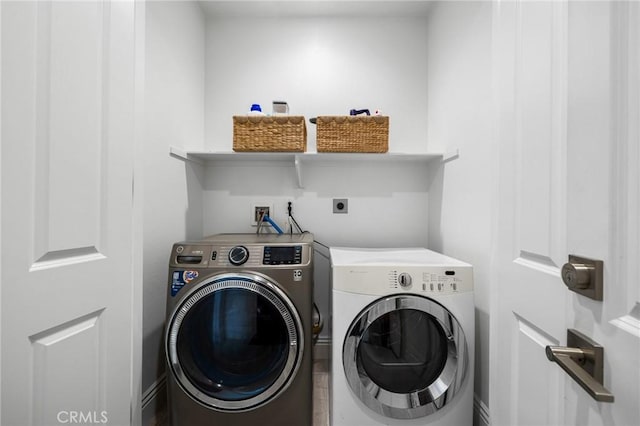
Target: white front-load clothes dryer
{"points": [[403, 338]]}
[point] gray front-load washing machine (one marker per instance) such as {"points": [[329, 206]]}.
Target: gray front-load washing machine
{"points": [[238, 331]]}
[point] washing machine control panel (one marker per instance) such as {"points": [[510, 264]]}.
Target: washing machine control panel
{"points": [[238, 255], [241, 254], [282, 255]]}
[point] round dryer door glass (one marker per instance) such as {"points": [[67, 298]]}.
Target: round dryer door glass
{"points": [[403, 351], [235, 342], [405, 356]]}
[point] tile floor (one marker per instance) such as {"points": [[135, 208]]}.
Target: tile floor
{"points": [[320, 397], [321, 392]]}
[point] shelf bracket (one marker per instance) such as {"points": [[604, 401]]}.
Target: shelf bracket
{"points": [[297, 162], [184, 155], [451, 155]]}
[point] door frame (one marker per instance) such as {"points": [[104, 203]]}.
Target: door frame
{"points": [[137, 280]]}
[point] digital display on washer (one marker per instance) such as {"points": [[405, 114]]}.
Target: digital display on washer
{"points": [[282, 255]]}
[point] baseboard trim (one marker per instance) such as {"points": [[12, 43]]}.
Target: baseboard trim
{"points": [[152, 391], [153, 400], [480, 412]]}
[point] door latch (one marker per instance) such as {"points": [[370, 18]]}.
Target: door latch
{"points": [[584, 276], [583, 360]]}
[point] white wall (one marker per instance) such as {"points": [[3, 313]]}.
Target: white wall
{"points": [[461, 117], [174, 112], [320, 66]]}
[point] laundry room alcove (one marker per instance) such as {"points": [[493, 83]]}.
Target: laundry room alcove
{"points": [[322, 58]]}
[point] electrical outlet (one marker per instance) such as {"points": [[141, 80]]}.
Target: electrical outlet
{"points": [[256, 211], [340, 205]]}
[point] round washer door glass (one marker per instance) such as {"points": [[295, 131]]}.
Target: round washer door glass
{"points": [[405, 356], [235, 342]]}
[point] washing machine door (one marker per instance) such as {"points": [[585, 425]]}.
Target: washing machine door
{"points": [[235, 342], [405, 356]]}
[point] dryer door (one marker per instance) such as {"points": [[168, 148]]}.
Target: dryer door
{"points": [[235, 342], [405, 356]]}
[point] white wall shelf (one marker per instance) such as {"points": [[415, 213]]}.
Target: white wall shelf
{"points": [[211, 158], [315, 8]]}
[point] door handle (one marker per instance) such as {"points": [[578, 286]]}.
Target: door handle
{"points": [[584, 276], [583, 360]]}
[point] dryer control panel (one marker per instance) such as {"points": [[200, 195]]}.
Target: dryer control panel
{"points": [[429, 281], [406, 270], [381, 280]]}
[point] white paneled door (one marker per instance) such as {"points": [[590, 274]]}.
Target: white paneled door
{"points": [[68, 288], [567, 80]]}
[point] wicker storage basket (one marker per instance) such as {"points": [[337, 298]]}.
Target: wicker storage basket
{"points": [[259, 133], [358, 133]]}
